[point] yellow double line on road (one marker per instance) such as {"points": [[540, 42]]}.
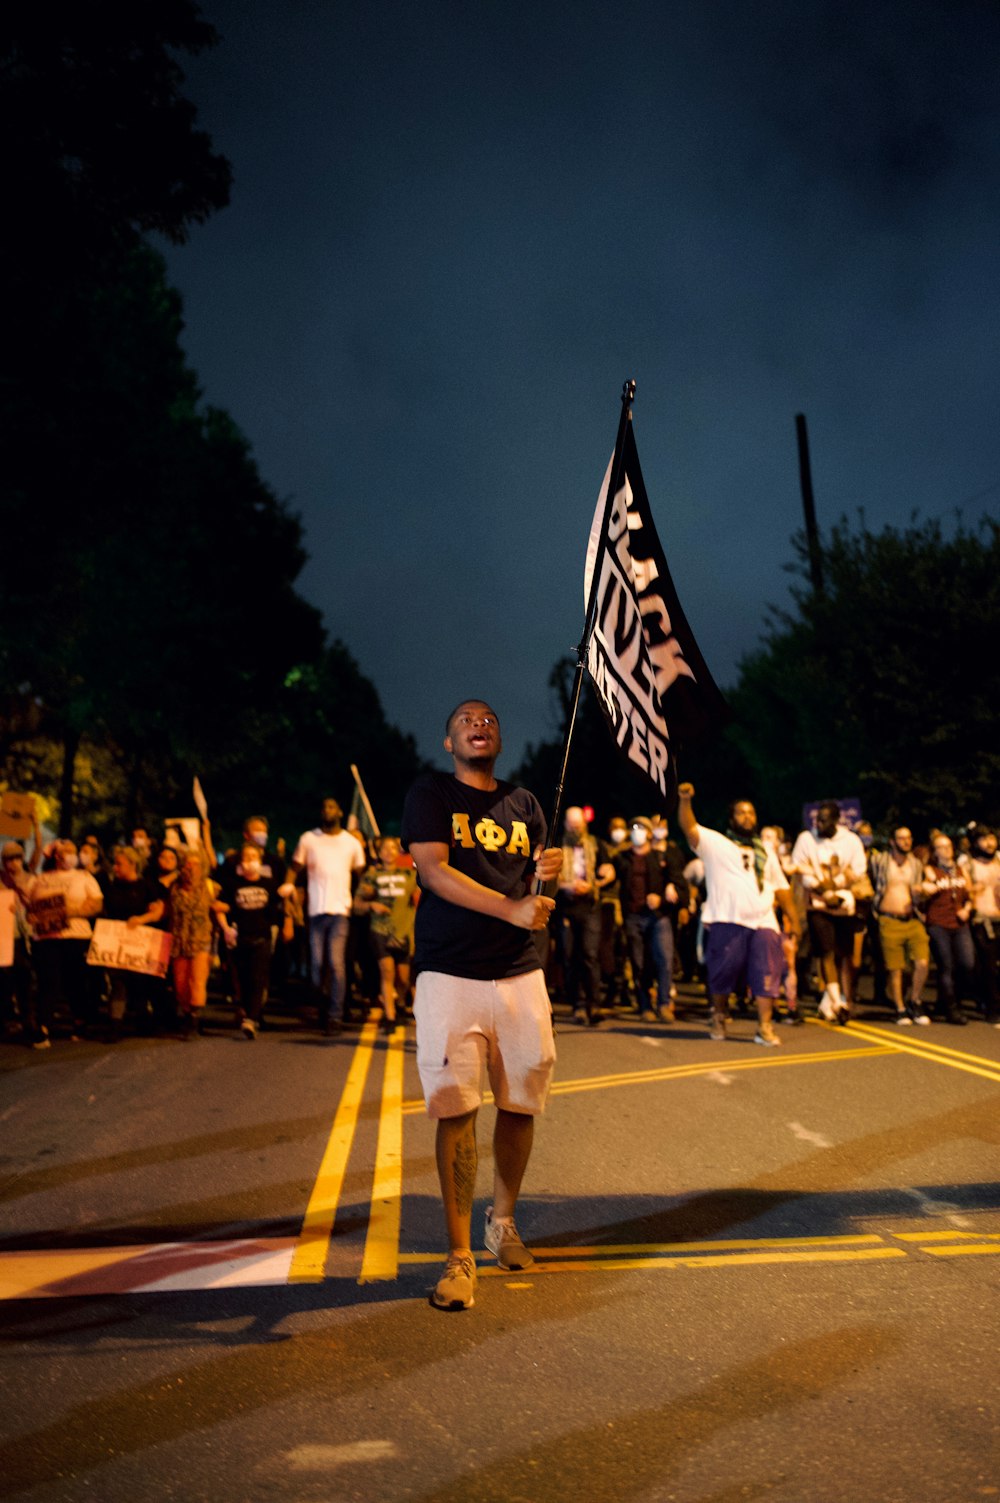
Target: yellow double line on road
{"points": [[957, 1059], [381, 1257]]}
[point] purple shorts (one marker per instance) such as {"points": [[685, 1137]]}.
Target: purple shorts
{"points": [[735, 955]]}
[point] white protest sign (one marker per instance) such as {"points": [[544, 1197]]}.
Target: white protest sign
{"points": [[120, 948]]}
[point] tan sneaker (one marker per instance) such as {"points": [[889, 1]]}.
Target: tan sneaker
{"points": [[456, 1288], [503, 1241]]}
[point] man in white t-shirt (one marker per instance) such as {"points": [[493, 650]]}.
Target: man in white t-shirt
{"points": [[744, 880], [830, 863], [328, 855]]}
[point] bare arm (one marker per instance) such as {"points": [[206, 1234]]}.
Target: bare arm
{"points": [[445, 881], [152, 915], [787, 905], [685, 815]]}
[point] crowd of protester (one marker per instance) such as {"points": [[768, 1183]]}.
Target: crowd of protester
{"points": [[328, 930]]}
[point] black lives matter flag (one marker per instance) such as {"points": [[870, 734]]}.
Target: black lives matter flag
{"points": [[651, 679]]}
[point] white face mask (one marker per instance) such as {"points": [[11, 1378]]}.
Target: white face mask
{"points": [[639, 838], [618, 836]]}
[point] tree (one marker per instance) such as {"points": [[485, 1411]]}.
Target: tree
{"points": [[884, 685]]}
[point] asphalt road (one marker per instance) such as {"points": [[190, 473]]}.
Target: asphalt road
{"points": [[762, 1274]]}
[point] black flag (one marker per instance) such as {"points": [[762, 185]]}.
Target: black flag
{"points": [[651, 679]]}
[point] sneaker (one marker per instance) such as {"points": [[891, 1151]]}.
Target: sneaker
{"points": [[503, 1241], [667, 1014], [580, 1016], [456, 1288], [827, 1009], [647, 1015], [956, 1016], [903, 1020], [41, 1039], [843, 1015], [922, 1019], [793, 1018], [248, 1028], [718, 1029], [767, 1037]]}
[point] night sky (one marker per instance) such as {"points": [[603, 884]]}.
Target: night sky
{"points": [[456, 230]]}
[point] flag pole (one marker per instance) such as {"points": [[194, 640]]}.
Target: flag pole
{"points": [[364, 799], [590, 621]]}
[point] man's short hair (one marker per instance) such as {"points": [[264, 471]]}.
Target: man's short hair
{"points": [[256, 819], [833, 806], [472, 699]]}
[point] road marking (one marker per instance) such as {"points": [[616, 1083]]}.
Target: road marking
{"points": [[723, 1260], [161, 1267], [940, 1054], [681, 1072], [805, 1136], [320, 1458], [313, 1244], [678, 1249], [381, 1253]]}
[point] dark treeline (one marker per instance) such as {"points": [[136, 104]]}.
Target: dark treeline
{"points": [[150, 627]]}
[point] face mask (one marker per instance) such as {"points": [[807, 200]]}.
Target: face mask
{"points": [[618, 836], [639, 838]]}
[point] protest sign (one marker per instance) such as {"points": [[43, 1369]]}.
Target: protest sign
{"points": [[8, 908], [48, 914], [17, 815], [200, 802], [120, 948], [188, 832]]}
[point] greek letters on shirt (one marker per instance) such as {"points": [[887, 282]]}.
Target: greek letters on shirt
{"points": [[490, 835]]}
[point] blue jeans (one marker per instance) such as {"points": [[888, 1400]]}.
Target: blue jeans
{"points": [[328, 944], [953, 952], [649, 939]]}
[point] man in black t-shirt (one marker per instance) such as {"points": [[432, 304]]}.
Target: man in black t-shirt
{"points": [[477, 844]]}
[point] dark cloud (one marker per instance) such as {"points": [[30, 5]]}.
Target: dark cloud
{"points": [[454, 232]]}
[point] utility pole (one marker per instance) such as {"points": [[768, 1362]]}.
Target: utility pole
{"points": [[809, 506]]}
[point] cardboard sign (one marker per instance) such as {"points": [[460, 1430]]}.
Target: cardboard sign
{"points": [[48, 915], [17, 815], [188, 832], [8, 907], [200, 802], [120, 948]]}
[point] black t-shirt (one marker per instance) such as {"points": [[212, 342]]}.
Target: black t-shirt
{"points": [[492, 838], [123, 900], [253, 906]]}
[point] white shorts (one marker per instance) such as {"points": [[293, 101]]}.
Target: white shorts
{"points": [[464, 1025]]}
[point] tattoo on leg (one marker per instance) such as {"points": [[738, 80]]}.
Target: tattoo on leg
{"points": [[464, 1170]]}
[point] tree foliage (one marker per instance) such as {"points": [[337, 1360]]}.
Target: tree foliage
{"points": [[886, 684], [149, 615]]}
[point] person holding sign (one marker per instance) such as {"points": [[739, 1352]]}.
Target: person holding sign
{"points": [[192, 898], [131, 899], [60, 905]]}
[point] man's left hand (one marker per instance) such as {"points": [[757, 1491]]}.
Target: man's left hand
{"points": [[548, 864]]}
